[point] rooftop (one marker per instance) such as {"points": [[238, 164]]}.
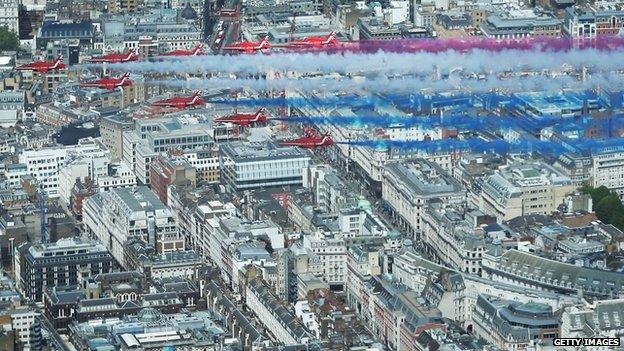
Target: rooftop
{"points": [[565, 276], [261, 151], [423, 178]]}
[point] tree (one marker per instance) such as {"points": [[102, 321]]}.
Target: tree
{"points": [[618, 220], [586, 188], [599, 193], [8, 39], [608, 208]]}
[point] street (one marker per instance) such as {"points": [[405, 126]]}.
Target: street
{"points": [[57, 340]]}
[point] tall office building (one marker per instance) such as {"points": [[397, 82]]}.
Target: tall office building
{"points": [[123, 214], [38, 266]]}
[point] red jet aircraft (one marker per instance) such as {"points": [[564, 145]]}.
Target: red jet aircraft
{"points": [[108, 82], [197, 50], [181, 102], [315, 42], [249, 47], [115, 58], [43, 66], [311, 140], [244, 119]]}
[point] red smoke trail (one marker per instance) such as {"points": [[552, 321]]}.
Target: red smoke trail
{"points": [[603, 43]]}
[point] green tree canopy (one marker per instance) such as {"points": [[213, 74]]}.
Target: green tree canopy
{"points": [[597, 194], [586, 188], [618, 220], [607, 205], [8, 39], [609, 208]]}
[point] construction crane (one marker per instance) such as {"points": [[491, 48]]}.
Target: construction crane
{"points": [[42, 219]]}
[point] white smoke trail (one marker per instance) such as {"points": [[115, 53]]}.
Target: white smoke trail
{"points": [[406, 85], [385, 63]]}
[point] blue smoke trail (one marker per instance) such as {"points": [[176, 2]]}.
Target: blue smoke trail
{"points": [[413, 101], [453, 145], [584, 146], [464, 122]]}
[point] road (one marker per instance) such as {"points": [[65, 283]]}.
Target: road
{"points": [[59, 343], [212, 25]]}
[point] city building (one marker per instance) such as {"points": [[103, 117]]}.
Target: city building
{"points": [[424, 17], [256, 165], [142, 258], [153, 136], [377, 29], [119, 215], [455, 20], [149, 30], [521, 24], [206, 163], [111, 130], [512, 325], [44, 164], [526, 269], [40, 266], [279, 320], [456, 293], [81, 31], [597, 318], [166, 171], [331, 253], [9, 15], [79, 192], [242, 326], [606, 171], [544, 105], [196, 214], [577, 167], [445, 208], [331, 192], [80, 167], [115, 6], [454, 237], [11, 107], [391, 311], [14, 173], [408, 186], [593, 21], [118, 176], [26, 324], [149, 329], [524, 188], [58, 116]]}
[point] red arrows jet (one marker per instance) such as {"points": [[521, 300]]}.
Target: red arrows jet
{"points": [[311, 140], [115, 58], [43, 66], [315, 42], [249, 47], [197, 50], [108, 82], [181, 102], [244, 119]]}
